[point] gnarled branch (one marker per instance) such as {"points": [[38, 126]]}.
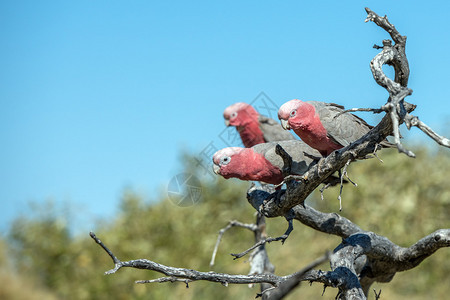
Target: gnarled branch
{"points": [[188, 275]]}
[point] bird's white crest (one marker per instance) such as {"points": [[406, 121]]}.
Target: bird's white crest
{"points": [[286, 108], [230, 151], [234, 108]]}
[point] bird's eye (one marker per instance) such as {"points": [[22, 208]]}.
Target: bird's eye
{"points": [[293, 113], [234, 115], [225, 160]]}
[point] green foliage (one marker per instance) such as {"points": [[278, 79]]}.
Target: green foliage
{"points": [[402, 198]]}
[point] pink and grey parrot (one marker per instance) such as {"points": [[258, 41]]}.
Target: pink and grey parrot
{"points": [[261, 163], [252, 127], [323, 126]]}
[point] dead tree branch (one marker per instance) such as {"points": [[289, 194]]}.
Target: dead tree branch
{"points": [[293, 282], [188, 275], [411, 120], [231, 224], [265, 240], [183, 273], [259, 260], [377, 259], [396, 56]]}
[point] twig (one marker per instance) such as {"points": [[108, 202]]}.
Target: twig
{"points": [[395, 125], [377, 295], [322, 189], [116, 261], [341, 176], [374, 110], [265, 292], [384, 23], [411, 120], [324, 288], [345, 173], [266, 240], [259, 260], [292, 281], [376, 155], [311, 265], [165, 279], [222, 231]]}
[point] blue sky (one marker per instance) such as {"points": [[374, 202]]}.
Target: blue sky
{"points": [[100, 96]]}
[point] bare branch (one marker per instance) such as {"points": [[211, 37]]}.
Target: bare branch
{"points": [[399, 62], [189, 274], [222, 231], [293, 280], [380, 259], [343, 173], [396, 56], [411, 120], [395, 125], [377, 295], [414, 255], [116, 261], [259, 260], [374, 110], [266, 240], [384, 23], [379, 254], [330, 223]]}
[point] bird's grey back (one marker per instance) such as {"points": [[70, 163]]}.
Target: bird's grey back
{"points": [[343, 128], [302, 154]]}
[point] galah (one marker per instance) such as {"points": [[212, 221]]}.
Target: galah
{"points": [[261, 163], [323, 126], [254, 128]]}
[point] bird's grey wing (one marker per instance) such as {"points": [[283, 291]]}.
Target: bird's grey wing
{"points": [[343, 128], [302, 155], [273, 131]]}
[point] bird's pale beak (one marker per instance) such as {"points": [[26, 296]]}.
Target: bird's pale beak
{"points": [[227, 122], [285, 124], [216, 169]]}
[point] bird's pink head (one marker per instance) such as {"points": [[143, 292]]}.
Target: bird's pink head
{"points": [[292, 113], [225, 160], [245, 164], [240, 114]]}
